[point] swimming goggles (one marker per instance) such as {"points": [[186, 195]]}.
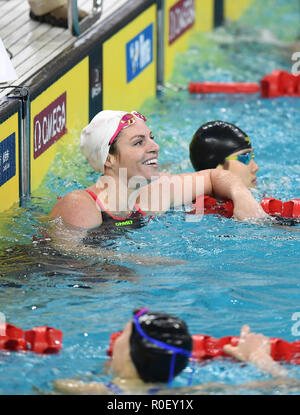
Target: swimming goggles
{"points": [[243, 158], [163, 345], [125, 122]]}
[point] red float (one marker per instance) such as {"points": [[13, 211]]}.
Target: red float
{"points": [[207, 347], [277, 84], [12, 338], [222, 87], [280, 83], [291, 209], [270, 205], [43, 339]]}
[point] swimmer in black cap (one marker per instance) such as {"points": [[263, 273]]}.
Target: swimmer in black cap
{"points": [[219, 144], [160, 346], [154, 347]]}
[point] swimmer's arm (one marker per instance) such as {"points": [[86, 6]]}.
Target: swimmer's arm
{"points": [[255, 348], [77, 208], [186, 187], [265, 363], [77, 387]]}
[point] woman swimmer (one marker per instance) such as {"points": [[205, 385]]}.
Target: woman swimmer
{"points": [[154, 348], [220, 144], [122, 147]]}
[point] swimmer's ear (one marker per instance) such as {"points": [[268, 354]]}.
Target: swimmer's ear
{"points": [[110, 161]]}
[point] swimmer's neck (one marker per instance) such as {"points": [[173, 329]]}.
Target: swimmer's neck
{"points": [[116, 195]]}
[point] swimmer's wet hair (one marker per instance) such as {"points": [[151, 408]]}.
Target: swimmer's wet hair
{"points": [[151, 361], [214, 141]]}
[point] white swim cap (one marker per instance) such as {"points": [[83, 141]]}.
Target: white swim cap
{"points": [[95, 137]]}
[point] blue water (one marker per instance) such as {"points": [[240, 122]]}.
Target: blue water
{"points": [[234, 273]]}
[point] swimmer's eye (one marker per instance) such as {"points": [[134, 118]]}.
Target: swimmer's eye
{"points": [[152, 137], [138, 143]]}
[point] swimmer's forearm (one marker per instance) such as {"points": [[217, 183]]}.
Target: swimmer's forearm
{"points": [[265, 362], [173, 190], [182, 189], [213, 182]]}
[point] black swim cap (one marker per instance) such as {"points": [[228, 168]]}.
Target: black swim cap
{"points": [[151, 361], [214, 141]]}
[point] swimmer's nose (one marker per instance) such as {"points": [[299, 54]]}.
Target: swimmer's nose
{"points": [[153, 147], [254, 166]]}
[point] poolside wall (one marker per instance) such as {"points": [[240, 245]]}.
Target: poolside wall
{"points": [[117, 67]]}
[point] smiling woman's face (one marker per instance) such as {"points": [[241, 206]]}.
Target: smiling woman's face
{"points": [[247, 172], [137, 152]]}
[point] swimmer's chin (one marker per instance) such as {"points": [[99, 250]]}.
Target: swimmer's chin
{"points": [[253, 184]]}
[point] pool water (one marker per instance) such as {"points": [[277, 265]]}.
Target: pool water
{"points": [[233, 273]]}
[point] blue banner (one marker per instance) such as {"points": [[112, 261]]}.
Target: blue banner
{"points": [[7, 159], [139, 53]]}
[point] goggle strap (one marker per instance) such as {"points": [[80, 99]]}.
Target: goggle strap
{"points": [[171, 372]]}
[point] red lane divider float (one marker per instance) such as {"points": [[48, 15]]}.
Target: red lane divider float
{"points": [[207, 347], [271, 206], [278, 83], [227, 88], [43, 340], [12, 338]]}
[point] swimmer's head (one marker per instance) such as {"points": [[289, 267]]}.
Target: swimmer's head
{"points": [[214, 141], [98, 137], [160, 345]]}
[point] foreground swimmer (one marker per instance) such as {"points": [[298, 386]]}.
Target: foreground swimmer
{"points": [[222, 145], [120, 145], [154, 348]]}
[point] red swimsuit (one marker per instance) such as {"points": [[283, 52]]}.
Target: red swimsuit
{"points": [[135, 219]]}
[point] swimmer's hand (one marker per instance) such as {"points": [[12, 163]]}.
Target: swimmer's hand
{"points": [[246, 207], [255, 348], [226, 185], [249, 343]]}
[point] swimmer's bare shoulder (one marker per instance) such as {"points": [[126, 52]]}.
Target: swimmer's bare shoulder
{"points": [[77, 387], [77, 208]]}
